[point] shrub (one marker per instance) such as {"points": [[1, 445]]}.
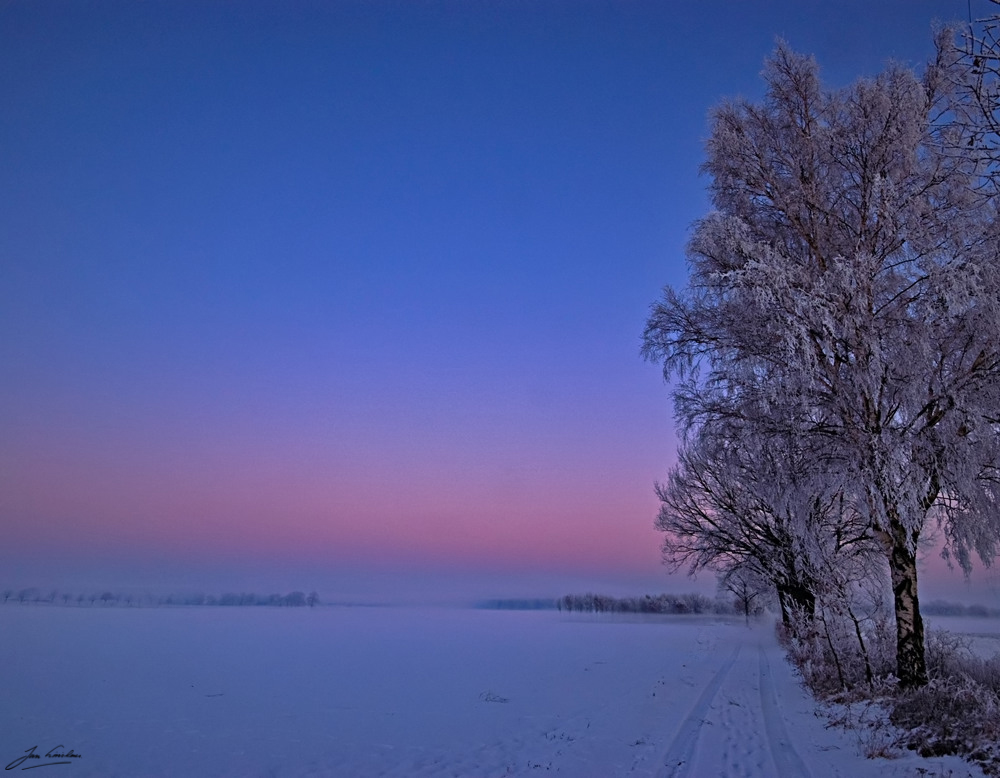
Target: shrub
{"points": [[952, 715], [837, 657], [957, 712]]}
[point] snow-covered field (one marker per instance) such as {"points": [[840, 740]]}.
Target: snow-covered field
{"points": [[409, 692], [983, 635]]}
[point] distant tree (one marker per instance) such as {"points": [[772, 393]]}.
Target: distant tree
{"points": [[312, 600], [295, 599], [108, 598], [748, 589], [25, 595], [7, 594]]}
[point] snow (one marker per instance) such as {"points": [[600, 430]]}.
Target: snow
{"points": [[983, 634], [336, 691]]}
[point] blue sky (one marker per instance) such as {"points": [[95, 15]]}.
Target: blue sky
{"points": [[360, 285]]}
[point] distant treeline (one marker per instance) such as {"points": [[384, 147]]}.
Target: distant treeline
{"points": [[108, 598], [601, 603], [662, 603], [519, 605], [942, 608]]}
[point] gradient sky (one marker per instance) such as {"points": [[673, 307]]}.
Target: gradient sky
{"points": [[357, 288]]}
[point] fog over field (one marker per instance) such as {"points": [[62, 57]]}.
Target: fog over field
{"points": [[411, 692]]}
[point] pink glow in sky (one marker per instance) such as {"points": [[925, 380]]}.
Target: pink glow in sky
{"points": [[330, 285]]}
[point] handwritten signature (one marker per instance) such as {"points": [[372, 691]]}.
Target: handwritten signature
{"points": [[56, 752]]}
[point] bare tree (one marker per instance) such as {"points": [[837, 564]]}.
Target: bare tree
{"points": [[739, 500], [747, 588], [966, 74], [26, 594]]}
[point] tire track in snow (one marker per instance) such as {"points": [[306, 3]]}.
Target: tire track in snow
{"points": [[677, 762], [786, 759]]}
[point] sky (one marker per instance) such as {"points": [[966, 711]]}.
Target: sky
{"points": [[349, 295]]}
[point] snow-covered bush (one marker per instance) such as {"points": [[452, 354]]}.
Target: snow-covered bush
{"points": [[838, 658], [953, 715], [957, 712], [951, 656]]}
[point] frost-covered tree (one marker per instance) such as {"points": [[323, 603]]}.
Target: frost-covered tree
{"points": [[741, 500], [848, 282], [967, 74], [747, 588]]}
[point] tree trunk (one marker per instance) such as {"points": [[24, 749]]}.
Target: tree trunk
{"points": [[797, 598], [869, 677], [833, 649], [782, 597], [911, 665]]}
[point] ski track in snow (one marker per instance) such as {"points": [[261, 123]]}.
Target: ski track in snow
{"points": [[741, 752], [786, 758], [678, 758]]}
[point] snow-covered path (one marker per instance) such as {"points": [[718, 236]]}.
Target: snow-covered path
{"points": [[743, 731], [754, 719], [411, 692]]}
